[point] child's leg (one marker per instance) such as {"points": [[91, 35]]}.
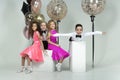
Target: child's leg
{"points": [[28, 61], [29, 67], [59, 64], [61, 60], [23, 61], [22, 65]]}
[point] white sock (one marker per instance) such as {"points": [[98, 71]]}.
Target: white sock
{"points": [[58, 64], [22, 67], [29, 67]]}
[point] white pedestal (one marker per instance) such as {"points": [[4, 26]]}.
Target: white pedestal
{"points": [[47, 65], [78, 56]]}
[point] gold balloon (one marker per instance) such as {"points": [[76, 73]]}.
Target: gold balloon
{"points": [[39, 18]]}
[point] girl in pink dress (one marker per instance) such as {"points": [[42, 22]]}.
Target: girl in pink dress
{"points": [[33, 52], [58, 54]]}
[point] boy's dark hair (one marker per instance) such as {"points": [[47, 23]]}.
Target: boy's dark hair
{"points": [[78, 25]]}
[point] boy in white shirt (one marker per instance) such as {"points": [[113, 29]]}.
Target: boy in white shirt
{"points": [[78, 35]]}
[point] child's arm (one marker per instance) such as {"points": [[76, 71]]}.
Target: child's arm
{"points": [[49, 41], [93, 33], [40, 38], [63, 34]]}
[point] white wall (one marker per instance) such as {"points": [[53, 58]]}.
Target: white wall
{"points": [[12, 40]]}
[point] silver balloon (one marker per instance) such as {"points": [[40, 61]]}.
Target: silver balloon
{"points": [[28, 17], [35, 6], [93, 7], [56, 9]]}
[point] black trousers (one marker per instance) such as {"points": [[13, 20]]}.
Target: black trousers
{"points": [[45, 44]]}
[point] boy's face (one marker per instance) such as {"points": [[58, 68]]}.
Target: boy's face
{"points": [[43, 26], [79, 30]]}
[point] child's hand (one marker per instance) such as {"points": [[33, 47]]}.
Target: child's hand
{"points": [[41, 38], [58, 45]]}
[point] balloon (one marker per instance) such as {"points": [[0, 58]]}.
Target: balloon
{"points": [[34, 17], [25, 8], [29, 17], [35, 6], [39, 18], [29, 1], [93, 7], [25, 32], [56, 9]]}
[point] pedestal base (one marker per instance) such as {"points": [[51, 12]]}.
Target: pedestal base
{"points": [[47, 65], [78, 56]]}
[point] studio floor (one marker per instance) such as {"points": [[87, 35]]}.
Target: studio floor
{"points": [[97, 73]]}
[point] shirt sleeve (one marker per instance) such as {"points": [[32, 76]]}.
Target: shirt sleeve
{"points": [[63, 34], [92, 33]]}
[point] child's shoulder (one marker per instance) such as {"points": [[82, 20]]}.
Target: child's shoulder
{"points": [[37, 32]]}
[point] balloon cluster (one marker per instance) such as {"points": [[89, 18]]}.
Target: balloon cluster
{"points": [[31, 10]]}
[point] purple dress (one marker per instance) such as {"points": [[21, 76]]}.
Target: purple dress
{"points": [[58, 52]]}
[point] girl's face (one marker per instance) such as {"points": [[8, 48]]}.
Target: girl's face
{"points": [[43, 26], [34, 27], [52, 25], [79, 30]]}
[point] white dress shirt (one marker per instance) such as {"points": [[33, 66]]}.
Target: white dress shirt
{"points": [[73, 35]]}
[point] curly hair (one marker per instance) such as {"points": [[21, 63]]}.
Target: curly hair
{"points": [[31, 32]]}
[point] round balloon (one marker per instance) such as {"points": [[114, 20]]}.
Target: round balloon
{"points": [[93, 7], [29, 17], [39, 18], [35, 6], [57, 9], [25, 32]]}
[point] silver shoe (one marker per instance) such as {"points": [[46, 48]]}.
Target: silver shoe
{"points": [[58, 66], [22, 69], [29, 70]]}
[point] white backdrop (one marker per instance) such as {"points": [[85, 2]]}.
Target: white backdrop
{"points": [[12, 40]]}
